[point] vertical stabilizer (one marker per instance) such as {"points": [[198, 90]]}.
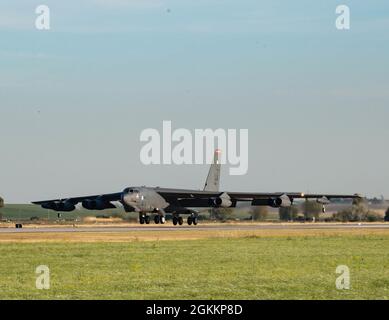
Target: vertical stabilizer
{"points": [[213, 179]]}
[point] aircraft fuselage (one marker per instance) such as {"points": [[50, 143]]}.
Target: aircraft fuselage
{"points": [[143, 199]]}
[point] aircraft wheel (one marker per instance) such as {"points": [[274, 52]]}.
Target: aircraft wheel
{"points": [[195, 221], [156, 219], [175, 221], [142, 220], [180, 221], [147, 220], [190, 220]]}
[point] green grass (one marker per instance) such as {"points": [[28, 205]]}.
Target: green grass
{"points": [[246, 268]]}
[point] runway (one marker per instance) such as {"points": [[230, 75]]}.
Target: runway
{"points": [[207, 227]]}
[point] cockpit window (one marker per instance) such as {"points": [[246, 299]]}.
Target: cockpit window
{"points": [[129, 190]]}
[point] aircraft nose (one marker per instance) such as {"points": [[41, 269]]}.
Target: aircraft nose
{"points": [[131, 197]]}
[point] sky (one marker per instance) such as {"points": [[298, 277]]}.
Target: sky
{"points": [[74, 99]]}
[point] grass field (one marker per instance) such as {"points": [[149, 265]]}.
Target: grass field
{"points": [[269, 265]]}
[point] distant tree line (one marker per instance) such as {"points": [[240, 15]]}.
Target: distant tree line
{"points": [[306, 211], [288, 213], [259, 213], [309, 210], [222, 214], [359, 211], [1, 206]]}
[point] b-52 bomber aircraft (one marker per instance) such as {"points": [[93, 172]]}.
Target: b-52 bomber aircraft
{"points": [[159, 201]]}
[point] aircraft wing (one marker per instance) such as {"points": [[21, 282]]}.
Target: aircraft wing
{"points": [[194, 198], [75, 200], [241, 196], [246, 196], [190, 198], [95, 202]]}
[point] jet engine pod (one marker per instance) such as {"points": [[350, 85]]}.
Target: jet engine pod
{"points": [[282, 201], [323, 200], [64, 206], [97, 204], [89, 204], [48, 205], [68, 206], [224, 201]]}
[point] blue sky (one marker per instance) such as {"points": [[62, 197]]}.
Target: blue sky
{"points": [[73, 100]]}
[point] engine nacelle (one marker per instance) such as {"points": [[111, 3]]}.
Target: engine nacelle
{"points": [[89, 204], [282, 201], [323, 200], [48, 205], [64, 206], [224, 201], [97, 204]]}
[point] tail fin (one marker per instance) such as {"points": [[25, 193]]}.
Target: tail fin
{"points": [[213, 179]]}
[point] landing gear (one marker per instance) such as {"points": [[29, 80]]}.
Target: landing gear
{"points": [[159, 219], [144, 219], [178, 220], [193, 220]]}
